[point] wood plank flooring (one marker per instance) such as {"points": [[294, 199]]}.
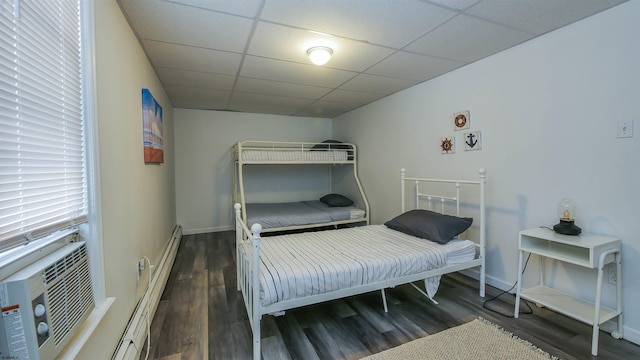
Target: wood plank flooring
{"points": [[201, 316]]}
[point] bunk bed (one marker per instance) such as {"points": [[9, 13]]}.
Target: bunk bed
{"points": [[331, 209], [283, 272]]}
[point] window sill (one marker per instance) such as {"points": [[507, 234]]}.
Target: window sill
{"points": [[86, 330]]}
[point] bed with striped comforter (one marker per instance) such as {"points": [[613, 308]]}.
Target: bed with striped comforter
{"points": [[313, 263]]}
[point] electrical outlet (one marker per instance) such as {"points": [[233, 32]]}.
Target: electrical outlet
{"points": [[140, 265], [612, 275]]}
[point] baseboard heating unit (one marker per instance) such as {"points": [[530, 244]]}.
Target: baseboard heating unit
{"points": [[45, 303]]}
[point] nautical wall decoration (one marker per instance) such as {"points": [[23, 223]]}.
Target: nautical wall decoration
{"points": [[472, 140], [448, 145], [461, 120]]}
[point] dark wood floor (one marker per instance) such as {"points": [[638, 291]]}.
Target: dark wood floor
{"points": [[202, 316]]}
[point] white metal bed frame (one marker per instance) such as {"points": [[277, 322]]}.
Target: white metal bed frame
{"points": [[248, 260], [300, 148]]}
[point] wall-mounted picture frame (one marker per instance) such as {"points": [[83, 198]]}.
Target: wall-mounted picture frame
{"points": [[447, 145], [152, 128], [472, 140], [461, 120]]}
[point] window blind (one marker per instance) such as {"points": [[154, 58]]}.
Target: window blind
{"points": [[42, 167]]}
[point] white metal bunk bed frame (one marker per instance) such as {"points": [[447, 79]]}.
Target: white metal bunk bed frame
{"points": [[301, 147], [248, 261]]}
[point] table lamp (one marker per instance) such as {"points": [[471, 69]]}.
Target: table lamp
{"points": [[566, 226]]}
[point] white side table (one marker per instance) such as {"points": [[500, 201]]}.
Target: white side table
{"points": [[591, 251]]}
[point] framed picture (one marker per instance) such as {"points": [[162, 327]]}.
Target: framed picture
{"points": [[447, 145], [152, 128], [461, 120], [472, 140]]}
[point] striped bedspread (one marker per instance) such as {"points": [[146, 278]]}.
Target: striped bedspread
{"points": [[295, 266]]}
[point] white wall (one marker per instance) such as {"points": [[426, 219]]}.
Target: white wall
{"points": [[548, 111], [138, 200], [204, 170]]}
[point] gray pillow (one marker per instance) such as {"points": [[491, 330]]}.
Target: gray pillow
{"points": [[336, 200], [430, 225]]}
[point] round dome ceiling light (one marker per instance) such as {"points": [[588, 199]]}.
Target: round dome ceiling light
{"points": [[319, 55]]}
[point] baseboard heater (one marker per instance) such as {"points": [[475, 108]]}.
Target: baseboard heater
{"points": [[135, 334]]}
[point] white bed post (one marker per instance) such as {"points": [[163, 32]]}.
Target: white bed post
{"points": [[239, 235], [483, 227], [402, 187], [255, 289]]}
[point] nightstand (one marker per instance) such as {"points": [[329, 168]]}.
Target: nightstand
{"points": [[591, 251]]}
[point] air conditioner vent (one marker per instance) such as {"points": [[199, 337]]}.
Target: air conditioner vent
{"points": [[68, 291]]}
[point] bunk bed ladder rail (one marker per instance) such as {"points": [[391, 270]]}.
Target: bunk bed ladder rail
{"points": [[248, 273]]}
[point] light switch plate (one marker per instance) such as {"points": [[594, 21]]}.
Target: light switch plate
{"points": [[625, 128]]}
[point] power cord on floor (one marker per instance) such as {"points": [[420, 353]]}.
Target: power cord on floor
{"points": [[484, 304]]}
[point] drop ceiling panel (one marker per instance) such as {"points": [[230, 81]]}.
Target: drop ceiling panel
{"points": [[378, 84], [278, 88], [352, 97], [539, 16], [270, 69], [327, 109], [468, 39], [201, 79], [189, 25], [291, 44], [192, 58], [411, 66], [261, 103], [248, 8], [383, 22]]}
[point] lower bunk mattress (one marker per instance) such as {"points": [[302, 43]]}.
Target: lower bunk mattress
{"points": [[278, 215], [299, 265]]}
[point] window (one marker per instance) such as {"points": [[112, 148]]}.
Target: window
{"points": [[43, 181]]}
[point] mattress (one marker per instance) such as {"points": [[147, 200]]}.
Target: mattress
{"points": [[277, 215], [294, 155], [313, 263]]}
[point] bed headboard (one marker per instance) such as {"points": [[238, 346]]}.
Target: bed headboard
{"points": [[447, 194]]}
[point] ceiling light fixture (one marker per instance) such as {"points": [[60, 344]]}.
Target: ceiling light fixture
{"points": [[319, 55]]}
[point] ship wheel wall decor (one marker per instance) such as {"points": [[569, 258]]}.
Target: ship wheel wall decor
{"points": [[447, 145]]}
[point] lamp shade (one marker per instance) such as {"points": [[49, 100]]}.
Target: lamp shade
{"points": [[319, 55]]}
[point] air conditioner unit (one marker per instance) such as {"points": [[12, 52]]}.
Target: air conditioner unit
{"points": [[44, 304]]}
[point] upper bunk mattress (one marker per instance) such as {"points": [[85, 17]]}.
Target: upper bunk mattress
{"points": [[294, 155], [313, 263], [276, 215]]}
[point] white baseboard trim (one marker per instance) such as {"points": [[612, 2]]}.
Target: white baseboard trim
{"points": [[207, 230], [135, 334]]}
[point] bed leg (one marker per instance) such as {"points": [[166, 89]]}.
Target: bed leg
{"points": [[384, 301], [256, 344]]}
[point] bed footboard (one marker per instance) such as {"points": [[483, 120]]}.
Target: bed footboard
{"points": [[248, 273]]}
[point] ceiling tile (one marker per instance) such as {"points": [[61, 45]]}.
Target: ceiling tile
{"points": [[248, 8], [261, 103], [411, 66], [189, 25], [326, 109], [198, 98], [454, 4], [377, 84], [192, 58], [468, 39], [539, 16], [291, 44], [269, 69], [383, 22], [278, 88], [195, 78], [350, 96]]}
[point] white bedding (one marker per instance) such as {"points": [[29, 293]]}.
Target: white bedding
{"points": [[318, 262], [294, 155]]}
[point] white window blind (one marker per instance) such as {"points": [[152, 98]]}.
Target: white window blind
{"points": [[42, 167]]}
